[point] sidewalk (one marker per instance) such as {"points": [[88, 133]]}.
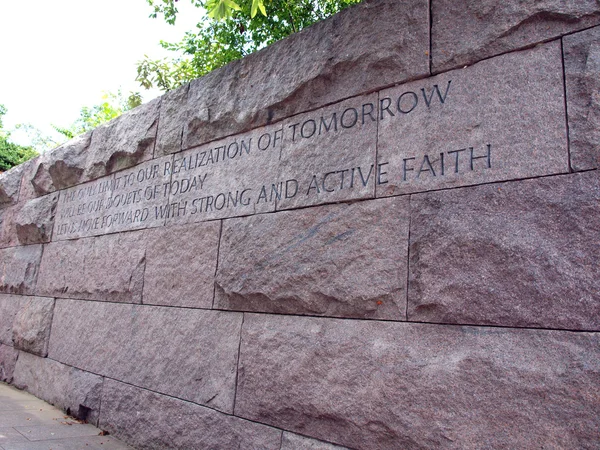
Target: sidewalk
{"points": [[27, 423]]}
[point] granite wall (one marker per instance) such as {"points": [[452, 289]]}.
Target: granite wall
{"points": [[382, 232]]}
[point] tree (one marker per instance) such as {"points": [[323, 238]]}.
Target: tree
{"points": [[111, 106], [11, 154], [231, 31]]}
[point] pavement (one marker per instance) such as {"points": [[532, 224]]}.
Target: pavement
{"points": [[28, 423]]}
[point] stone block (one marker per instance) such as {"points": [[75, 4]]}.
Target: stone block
{"points": [[180, 265], [106, 268], [128, 200], [170, 125], [58, 169], [466, 32], [329, 154], [582, 71], [375, 385], [8, 360], [488, 122], [293, 441], [19, 269], [512, 254], [8, 228], [10, 305], [226, 178], [10, 184], [70, 389], [338, 260], [31, 327], [185, 353], [35, 220], [149, 420], [123, 142], [329, 61]]}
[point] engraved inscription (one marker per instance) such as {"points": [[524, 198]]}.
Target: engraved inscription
{"points": [[464, 127]]}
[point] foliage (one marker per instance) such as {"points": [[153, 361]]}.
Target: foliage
{"points": [[112, 106], [90, 117], [230, 33], [11, 154]]}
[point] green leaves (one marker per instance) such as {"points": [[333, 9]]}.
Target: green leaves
{"points": [[257, 4], [233, 29], [12, 154]]}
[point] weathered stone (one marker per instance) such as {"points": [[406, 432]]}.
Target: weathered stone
{"points": [[329, 61], [375, 385], [481, 124], [10, 183], [512, 254], [35, 220], [149, 420], [8, 228], [19, 269], [172, 118], [10, 305], [329, 154], [186, 353], [293, 441], [73, 390], [226, 178], [123, 142], [582, 70], [58, 169], [8, 360], [338, 260], [182, 275], [465, 33], [31, 327], [128, 200], [106, 268]]}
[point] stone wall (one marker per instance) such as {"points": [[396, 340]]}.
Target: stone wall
{"points": [[379, 233]]}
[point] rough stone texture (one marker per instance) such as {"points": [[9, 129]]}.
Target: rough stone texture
{"points": [[332, 60], [58, 169], [31, 327], [127, 200], [495, 102], [8, 233], [10, 183], [186, 353], [512, 254], [293, 441], [181, 271], [35, 220], [106, 268], [10, 305], [466, 32], [19, 269], [582, 70], [225, 178], [338, 260], [149, 420], [377, 385], [72, 390], [170, 125], [123, 142], [330, 165], [8, 360]]}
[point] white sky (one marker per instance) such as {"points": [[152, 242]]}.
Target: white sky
{"points": [[59, 55]]}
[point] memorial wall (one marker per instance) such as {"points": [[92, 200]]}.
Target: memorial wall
{"points": [[382, 232]]}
